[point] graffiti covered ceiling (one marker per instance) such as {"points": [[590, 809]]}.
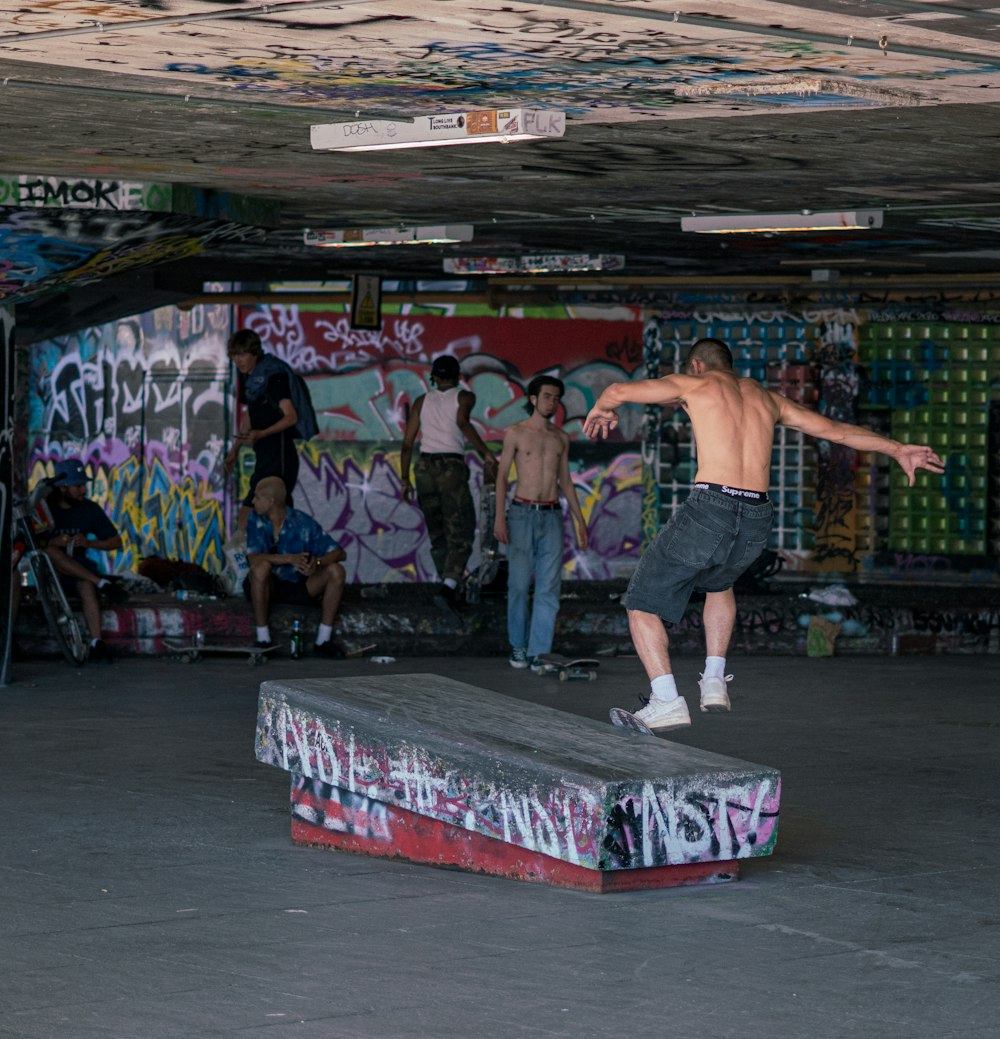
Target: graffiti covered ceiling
{"points": [[151, 145]]}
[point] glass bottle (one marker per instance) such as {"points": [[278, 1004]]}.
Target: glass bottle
{"points": [[296, 645]]}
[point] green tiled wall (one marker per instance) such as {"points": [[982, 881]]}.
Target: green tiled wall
{"points": [[935, 380]]}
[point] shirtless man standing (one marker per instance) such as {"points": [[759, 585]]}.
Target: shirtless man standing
{"points": [[725, 523], [535, 534]]}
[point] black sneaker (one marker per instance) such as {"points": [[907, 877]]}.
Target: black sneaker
{"points": [[100, 650], [329, 649], [261, 644], [114, 592]]}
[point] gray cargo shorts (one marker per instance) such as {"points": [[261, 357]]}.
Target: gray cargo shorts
{"points": [[709, 543]]}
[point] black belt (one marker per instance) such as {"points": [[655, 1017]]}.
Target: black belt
{"points": [[431, 457], [757, 497], [536, 506]]}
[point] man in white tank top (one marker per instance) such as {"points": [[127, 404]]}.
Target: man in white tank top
{"points": [[442, 419]]}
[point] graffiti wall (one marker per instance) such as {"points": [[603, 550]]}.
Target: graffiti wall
{"points": [[363, 384], [145, 403]]}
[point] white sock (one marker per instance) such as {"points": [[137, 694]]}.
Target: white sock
{"points": [[264, 634], [664, 688], [324, 634], [450, 582], [715, 667]]}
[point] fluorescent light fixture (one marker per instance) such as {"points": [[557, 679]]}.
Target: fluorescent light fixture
{"points": [[772, 223], [502, 125], [350, 237], [552, 263]]}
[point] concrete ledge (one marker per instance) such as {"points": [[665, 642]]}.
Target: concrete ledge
{"points": [[432, 768]]}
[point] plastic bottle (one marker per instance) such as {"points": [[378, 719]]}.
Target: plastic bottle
{"points": [[296, 645]]}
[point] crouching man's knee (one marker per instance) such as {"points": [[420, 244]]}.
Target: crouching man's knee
{"points": [[260, 571], [335, 574]]}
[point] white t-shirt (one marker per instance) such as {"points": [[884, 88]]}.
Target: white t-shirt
{"points": [[439, 433]]}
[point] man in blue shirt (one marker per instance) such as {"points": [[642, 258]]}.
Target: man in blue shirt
{"points": [[292, 560]]}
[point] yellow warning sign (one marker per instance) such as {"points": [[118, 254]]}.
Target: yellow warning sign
{"points": [[367, 313], [366, 301]]}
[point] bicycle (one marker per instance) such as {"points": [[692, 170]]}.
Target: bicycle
{"points": [[31, 516]]}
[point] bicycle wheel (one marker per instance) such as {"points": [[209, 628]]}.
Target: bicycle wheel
{"points": [[61, 619]]}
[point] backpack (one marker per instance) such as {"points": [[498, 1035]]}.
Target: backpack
{"points": [[307, 426]]}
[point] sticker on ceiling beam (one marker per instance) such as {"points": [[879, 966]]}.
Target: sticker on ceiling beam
{"points": [[805, 92]]}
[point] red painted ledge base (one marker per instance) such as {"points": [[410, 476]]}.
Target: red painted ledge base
{"points": [[397, 833]]}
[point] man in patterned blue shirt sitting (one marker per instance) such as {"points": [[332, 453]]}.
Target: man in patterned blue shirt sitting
{"points": [[292, 560]]}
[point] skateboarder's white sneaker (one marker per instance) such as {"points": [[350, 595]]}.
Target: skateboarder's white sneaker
{"points": [[714, 698], [518, 659], [659, 715], [537, 666]]}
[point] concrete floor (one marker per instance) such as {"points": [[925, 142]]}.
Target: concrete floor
{"points": [[150, 889]]}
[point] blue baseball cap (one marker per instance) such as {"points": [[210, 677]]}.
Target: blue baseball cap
{"points": [[70, 472]]}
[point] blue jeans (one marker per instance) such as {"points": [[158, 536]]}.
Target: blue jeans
{"points": [[535, 543]]}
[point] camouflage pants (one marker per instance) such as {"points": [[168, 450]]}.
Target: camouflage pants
{"points": [[442, 483]]}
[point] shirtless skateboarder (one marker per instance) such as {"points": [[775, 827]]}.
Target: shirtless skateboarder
{"points": [[725, 523]]}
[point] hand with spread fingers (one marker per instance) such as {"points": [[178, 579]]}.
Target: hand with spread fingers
{"points": [[912, 457]]}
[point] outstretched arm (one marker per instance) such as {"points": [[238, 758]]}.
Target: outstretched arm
{"points": [[910, 457], [603, 415]]}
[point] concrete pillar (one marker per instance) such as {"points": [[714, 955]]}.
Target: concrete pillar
{"points": [[7, 387]]}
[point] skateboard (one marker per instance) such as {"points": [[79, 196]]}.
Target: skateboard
{"points": [[581, 668], [186, 652], [489, 547], [627, 720]]}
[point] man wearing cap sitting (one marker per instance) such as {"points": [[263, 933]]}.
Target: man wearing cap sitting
{"points": [[80, 525], [442, 418]]}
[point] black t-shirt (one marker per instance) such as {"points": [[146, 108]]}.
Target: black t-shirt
{"points": [[87, 517], [273, 452], [265, 410]]}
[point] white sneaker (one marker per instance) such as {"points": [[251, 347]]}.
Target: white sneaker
{"points": [[660, 715], [833, 595], [714, 698]]}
